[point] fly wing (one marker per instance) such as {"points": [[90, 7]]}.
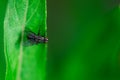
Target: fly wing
{"points": [[28, 36], [27, 43]]}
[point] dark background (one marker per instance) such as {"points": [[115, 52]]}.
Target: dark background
{"points": [[84, 40]]}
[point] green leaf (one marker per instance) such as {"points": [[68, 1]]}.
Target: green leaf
{"points": [[24, 62], [2, 56]]}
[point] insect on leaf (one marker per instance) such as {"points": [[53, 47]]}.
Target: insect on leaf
{"points": [[24, 63]]}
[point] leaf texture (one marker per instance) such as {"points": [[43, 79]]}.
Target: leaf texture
{"points": [[24, 63]]}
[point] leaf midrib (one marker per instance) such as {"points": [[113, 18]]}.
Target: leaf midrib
{"points": [[21, 46]]}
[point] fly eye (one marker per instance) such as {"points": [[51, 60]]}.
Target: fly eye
{"points": [[46, 39]]}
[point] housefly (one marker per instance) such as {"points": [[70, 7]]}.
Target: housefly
{"points": [[33, 38]]}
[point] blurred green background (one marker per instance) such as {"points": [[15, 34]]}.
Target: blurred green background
{"points": [[84, 40]]}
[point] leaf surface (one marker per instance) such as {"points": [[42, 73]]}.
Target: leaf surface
{"points": [[24, 62]]}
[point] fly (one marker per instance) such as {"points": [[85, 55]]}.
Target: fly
{"points": [[33, 38]]}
